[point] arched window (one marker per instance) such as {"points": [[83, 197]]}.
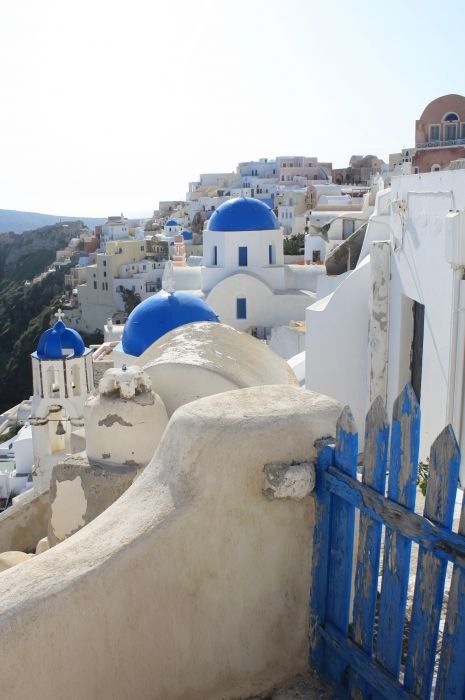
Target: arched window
{"points": [[76, 380], [450, 126], [52, 384]]}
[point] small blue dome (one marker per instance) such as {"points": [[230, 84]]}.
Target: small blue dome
{"points": [[60, 342], [158, 315], [187, 235], [171, 222], [243, 214]]}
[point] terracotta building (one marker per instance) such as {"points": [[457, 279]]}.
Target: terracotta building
{"points": [[440, 134]]}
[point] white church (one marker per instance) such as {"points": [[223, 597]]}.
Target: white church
{"points": [[243, 277]]}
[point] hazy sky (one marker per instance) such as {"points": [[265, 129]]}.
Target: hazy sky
{"points": [[110, 106]]}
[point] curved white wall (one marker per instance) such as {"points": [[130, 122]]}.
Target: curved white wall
{"points": [[192, 585], [264, 308], [337, 343]]}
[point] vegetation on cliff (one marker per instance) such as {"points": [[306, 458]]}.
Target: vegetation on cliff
{"points": [[26, 310]]}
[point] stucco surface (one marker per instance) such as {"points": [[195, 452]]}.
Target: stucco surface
{"points": [[25, 523], [80, 491], [201, 359], [192, 585]]}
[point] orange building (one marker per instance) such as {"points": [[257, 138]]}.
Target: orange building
{"points": [[440, 134]]}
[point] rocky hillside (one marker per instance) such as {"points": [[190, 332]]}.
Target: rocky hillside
{"points": [[23, 257], [25, 311]]}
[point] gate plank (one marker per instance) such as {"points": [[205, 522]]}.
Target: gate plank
{"points": [[341, 542], [368, 554], [397, 548], [320, 558], [451, 676], [383, 683], [431, 571]]}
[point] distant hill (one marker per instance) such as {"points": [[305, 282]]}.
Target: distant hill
{"points": [[19, 221]]}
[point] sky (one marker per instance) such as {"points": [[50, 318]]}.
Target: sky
{"points": [[109, 106]]}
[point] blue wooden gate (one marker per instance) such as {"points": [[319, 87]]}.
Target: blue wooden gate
{"points": [[359, 637]]}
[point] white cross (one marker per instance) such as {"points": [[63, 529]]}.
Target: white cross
{"points": [[59, 314]]}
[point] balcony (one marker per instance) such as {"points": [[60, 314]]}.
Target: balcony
{"points": [[441, 144]]}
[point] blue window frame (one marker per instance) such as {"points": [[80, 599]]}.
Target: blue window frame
{"points": [[241, 308], [242, 256]]}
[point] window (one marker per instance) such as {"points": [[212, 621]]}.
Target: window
{"points": [[316, 255], [104, 263], [434, 132], [95, 284], [241, 308], [270, 254], [215, 255], [104, 274], [242, 256], [450, 132], [142, 247], [462, 130]]}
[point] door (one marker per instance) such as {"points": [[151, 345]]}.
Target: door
{"points": [[416, 355]]}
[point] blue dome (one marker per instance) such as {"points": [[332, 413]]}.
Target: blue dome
{"points": [[243, 214], [60, 342], [160, 314], [187, 235], [171, 222]]}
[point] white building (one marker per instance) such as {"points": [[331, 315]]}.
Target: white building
{"points": [[400, 315], [116, 228], [244, 278]]}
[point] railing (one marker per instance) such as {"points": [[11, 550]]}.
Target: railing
{"points": [[441, 144], [381, 654]]}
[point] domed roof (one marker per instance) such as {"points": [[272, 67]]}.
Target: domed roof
{"points": [[171, 222], [243, 214], [435, 110], [158, 315], [60, 342], [187, 235]]}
